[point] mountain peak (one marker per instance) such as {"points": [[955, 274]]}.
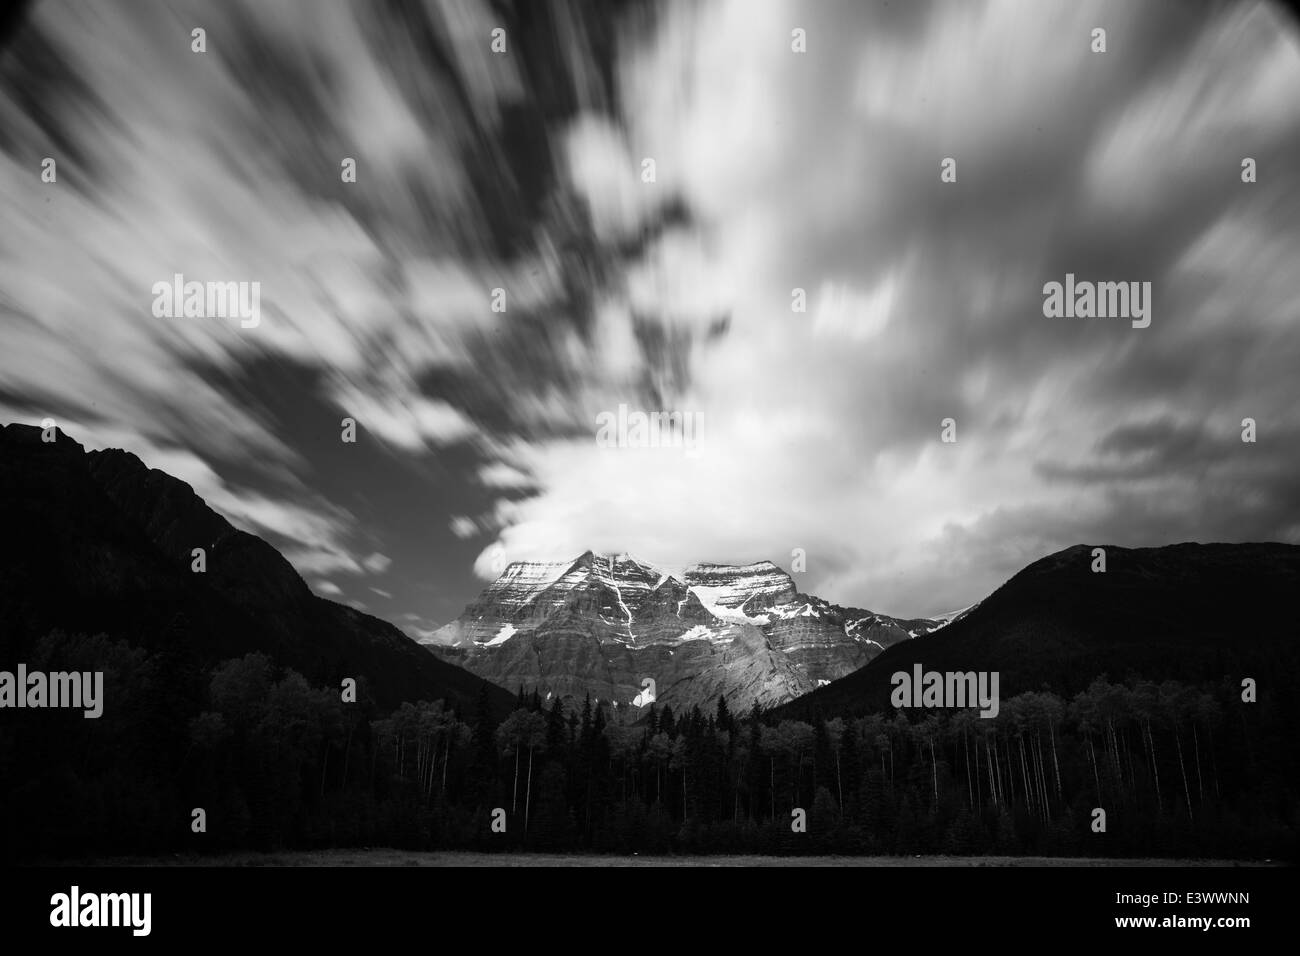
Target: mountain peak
{"points": [[603, 621], [18, 433]]}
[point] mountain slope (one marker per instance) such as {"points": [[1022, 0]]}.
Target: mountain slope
{"points": [[97, 542], [1189, 612], [602, 624]]}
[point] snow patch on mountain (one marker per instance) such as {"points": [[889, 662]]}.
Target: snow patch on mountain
{"points": [[698, 632], [507, 631], [712, 598]]}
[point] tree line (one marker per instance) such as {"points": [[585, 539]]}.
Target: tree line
{"points": [[1180, 770]]}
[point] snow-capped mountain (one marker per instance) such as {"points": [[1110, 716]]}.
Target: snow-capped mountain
{"points": [[604, 624]]}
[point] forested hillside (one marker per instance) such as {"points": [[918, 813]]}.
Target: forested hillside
{"points": [[1180, 769]]}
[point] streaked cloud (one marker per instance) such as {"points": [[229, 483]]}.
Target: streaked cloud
{"points": [[774, 171]]}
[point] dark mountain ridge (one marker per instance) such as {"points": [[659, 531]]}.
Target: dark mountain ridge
{"points": [[98, 542], [1189, 612]]}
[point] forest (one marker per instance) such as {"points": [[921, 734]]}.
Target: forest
{"points": [[1181, 770]]}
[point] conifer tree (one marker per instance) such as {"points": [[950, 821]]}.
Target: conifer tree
{"points": [[724, 721], [666, 725], [555, 729]]}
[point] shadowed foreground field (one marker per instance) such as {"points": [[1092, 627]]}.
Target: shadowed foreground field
{"points": [[385, 857]]}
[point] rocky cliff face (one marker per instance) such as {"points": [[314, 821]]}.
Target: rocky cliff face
{"points": [[605, 624]]}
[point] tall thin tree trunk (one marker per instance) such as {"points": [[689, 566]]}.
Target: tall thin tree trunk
{"points": [[514, 796], [1113, 751], [1128, 752], [1155, 770], [934, 771], [839, 783], [988, 767], [995, 760], [1092, 755], [528, 791], [1024, 772], [1042, 774], [1200, 782], [1214, 767], [1009, 775], [1056, 765], [1033, 777], [1187, 793], [1036, 777], [970, 788]]}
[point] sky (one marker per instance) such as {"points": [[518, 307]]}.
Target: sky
{"points": [[818, 432]]}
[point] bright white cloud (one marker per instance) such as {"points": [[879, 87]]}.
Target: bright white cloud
{"points": [[823, 428]]}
